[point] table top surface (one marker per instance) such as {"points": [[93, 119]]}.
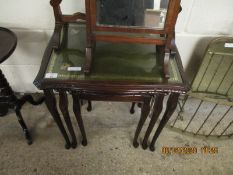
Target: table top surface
{"points": [[8, 42], [113, 64]]}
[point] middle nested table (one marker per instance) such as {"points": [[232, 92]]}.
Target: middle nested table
{"points": [[120, 72]]}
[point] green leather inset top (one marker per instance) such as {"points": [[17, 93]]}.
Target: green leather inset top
{"points": [[111, 62]]}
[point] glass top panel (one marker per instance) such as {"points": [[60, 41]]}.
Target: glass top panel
{"points": [[132, 13], [111, 62]]}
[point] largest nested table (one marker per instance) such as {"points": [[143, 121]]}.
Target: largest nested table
{"points": [[120, 72]]}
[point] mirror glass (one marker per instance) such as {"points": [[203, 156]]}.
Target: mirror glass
{"points": [[134, 13]]}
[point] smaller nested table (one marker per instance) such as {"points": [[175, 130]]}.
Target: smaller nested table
{"points": [[120, 72], [8, 100]]}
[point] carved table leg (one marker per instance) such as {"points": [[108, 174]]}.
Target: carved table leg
{"points": [[8, 100], [171, 106], [89, 107], [132, 108], [50, 101], [3, 109], [63, 104], [24, 127], [7, 97], [77, 112], [29, 99], [158, 107], [145, 112], [18, 105]]}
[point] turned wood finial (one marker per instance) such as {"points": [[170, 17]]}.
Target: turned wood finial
{"points": [[55, 2], [57, 10]]}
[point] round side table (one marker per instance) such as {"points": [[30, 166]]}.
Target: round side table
{"points": [[8, 100]]}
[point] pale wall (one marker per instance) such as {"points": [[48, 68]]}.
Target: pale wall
{"points": [[32, 21]]}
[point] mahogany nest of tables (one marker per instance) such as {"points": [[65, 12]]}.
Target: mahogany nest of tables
{"points": [[120, 72]]}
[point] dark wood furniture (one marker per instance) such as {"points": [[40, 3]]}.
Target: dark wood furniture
{"points": [[126, 21], [8, 99], [131, 21], [121, 72]]}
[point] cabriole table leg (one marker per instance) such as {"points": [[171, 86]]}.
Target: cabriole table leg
{"points": [[50, 101], [158, 107], [63, 104], [77, 112], [145, 112], [171, 106]]}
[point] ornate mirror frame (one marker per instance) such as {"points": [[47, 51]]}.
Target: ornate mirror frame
{"points": [[163, 43]]}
